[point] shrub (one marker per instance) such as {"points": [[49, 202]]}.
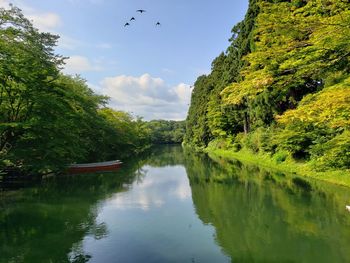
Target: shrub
{"points": [[280, 156], [236, 147], [222, 143], [295, 140], [258, 140], [335, 153]]}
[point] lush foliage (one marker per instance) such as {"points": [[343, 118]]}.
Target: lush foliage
{"points": [[47, 119], [288, 93], [208, 118], [166, 132]]}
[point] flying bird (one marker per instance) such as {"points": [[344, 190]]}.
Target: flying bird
{"points": [[141, 11], [133, 18], [126, 24], [158, 24]]}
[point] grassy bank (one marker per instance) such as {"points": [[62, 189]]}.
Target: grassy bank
{"points": [[339, 177]]}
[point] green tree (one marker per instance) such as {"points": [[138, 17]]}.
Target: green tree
{"points": [[208, 117], [48, 119], [283, 82]]}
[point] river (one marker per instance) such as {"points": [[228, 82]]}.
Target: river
{"points": [[172, 205]]}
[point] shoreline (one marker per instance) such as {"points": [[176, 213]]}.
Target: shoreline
{"points": [[337, 177]]}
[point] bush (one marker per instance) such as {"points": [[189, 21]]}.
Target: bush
{"points": [[335, 153], [236, 147], [295, 140], [223, 143], [237, 144], [280, 156], [258, 140]]}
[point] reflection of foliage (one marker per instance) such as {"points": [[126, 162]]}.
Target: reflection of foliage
{"points": [[258, 216], [99, 231], [77, 255], [165, 155], [49, 222], [265, 217], [81, 258], [140, 173]]}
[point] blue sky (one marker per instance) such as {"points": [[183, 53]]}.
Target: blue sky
{"points": [[146, 70]]}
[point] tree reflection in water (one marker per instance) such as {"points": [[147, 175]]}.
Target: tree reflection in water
{"points": [[48, 222], [258, 215]]}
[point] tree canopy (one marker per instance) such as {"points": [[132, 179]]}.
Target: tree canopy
{"points": [[288, 85], [49, 120]]}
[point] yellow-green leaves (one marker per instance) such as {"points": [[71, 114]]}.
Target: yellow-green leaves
{"points": [[292, 79], [254, 83], [330, 107], [294, 45]]}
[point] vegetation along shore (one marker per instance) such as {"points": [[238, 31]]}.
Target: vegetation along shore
{"points": [[280, 95]]}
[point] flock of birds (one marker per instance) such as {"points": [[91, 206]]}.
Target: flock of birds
{"points": [[133, 18]]}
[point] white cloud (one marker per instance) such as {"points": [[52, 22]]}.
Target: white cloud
{"points": [[45, 21], [4, 3], [155, 190], [79, 64], [68, 42], [182, 91], [147, 96]]}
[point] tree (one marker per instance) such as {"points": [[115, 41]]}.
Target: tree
{"points": [[27, 66], [49, 120], [296, 47], [283, 81], [208, 117]]}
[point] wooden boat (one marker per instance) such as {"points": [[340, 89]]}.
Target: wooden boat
{"points": [[94, 167]]}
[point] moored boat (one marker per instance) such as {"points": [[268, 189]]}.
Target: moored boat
{"points": [[94, 167]]}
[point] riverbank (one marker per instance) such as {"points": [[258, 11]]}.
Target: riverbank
{"points": [[338, 177]]}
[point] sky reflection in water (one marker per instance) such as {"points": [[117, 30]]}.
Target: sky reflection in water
{"points": [[154, 221]]}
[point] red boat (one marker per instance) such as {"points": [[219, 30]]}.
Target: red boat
{"points": [[94, 167]]}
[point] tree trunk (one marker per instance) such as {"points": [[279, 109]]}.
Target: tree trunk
{"points": [[246, 124]]}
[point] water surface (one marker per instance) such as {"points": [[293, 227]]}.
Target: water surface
{"points": [[175, 206]]}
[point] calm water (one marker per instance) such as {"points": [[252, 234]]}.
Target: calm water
{"points": [[175, 206]]}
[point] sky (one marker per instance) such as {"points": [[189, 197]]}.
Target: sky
{"points": [[146, 70]]}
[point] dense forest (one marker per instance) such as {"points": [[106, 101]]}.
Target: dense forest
{"points": [[282, 88], [166, 132], [48, 119]]}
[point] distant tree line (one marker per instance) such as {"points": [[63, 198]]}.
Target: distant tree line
{"points": [[282, 87], [166, 132]]}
